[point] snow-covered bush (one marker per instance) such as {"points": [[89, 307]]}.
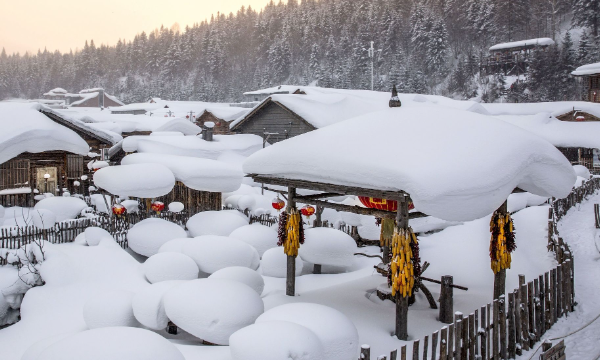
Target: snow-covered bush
{"points": [[132, 206], [242, 274], [215, 223], [112, 343], [582, 171], [63, 207], [326, 246], [176, 207], [213, 309], [260, 237], [274, 263], [174, 245], [213, 253], [147, 236], [276, 340], [170, 266], [112, 308], [43, 219], [335, 331], [94, 234], [148, 306], [138, 180]]}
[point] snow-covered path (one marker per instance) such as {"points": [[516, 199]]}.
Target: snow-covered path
{"points": [[578, 230]]}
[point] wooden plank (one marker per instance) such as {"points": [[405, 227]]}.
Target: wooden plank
{"points": [[496, 330], [356, 209], [502, 327], [457, 336], [512, 342], [477, 350], [403, 352], [543, 303], [415, 350], [394, 354], [446, 300], [559, 290], [450, 343], [472, 336], [552, 297], [444, 343], [425, 347], [524, 318], [434, 342], [365, 352], [531, 314], [537, 308], [488, 338]]}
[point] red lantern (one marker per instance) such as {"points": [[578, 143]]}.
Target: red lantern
{"points": [[157, 206], [119, 210], [307, 210], [382, 204], [187, 116], [278, 204], [580, 118]]}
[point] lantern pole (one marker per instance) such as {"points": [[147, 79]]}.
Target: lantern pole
{"points": [[402, 301], [290, 281], [500, 276]]}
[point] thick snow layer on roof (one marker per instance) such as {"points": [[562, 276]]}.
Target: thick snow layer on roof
{"points": [[456, 165], [228, 113], [25, 129], [558, 133], [127, 122], [556, 108], [138, 180], [174, 108], [276, 89], [589, 69], [194, 146], [181, 125], [195, 173], [56, 91], [84, 97], [104, 133], [528, 42]]}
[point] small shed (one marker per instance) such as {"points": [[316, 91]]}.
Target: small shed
{"points": [[221, 117], [591, 75], [512, 58]]}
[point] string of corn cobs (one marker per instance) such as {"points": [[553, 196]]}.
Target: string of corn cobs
{"points": [[402, 266], [502, 243], [281, 232], [295, 234]]}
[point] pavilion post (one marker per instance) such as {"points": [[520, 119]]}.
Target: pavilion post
{"points": [[402, 301], [500, 276], [290, 283]]}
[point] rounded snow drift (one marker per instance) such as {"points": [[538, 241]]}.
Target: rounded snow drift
{"points": [[64, 207], [215, 223], [147, 236], [274, 263], [582, 171], [335, 331], [176, 207], [175, 245], [326, 246], [276, 340], [43, 219], [148, 306], [112, 308], [132, 206], [213, 309], [112, 343], [260, 237], [241, 274], [94, 234], [170, 266], [212, 253]]}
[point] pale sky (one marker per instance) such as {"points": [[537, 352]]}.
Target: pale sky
{"points": [[29, 25]]}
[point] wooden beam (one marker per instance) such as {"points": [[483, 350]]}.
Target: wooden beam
{"points": [[356, 209], [332, 188], [319, 196]]}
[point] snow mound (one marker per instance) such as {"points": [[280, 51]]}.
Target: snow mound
{"points": [[215, 223], [64, 207], [175, 245], [94, 234], [176, 207], [335, 331], [259, 236], [112, 308], [276, 340], [327, 246], [112, 343], [132, 206], [147, 236], [213, 309], [501, 157], [137, 180], [170, 266], [241, 274], [2, 211], [213, 253], [274, 263], [148, 306], [43, 219], [582, 171]]}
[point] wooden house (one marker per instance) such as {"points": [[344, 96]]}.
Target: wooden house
{"points": [[93, 98], [590, 74], [513, 58], [43, 152], [221, 117]]}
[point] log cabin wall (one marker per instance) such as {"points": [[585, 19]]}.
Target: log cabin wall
{"points": [[194, 201], [274, 118], [221, 126]]}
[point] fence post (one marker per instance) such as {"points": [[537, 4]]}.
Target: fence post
{"points": [[512, 342], [443, 344], [365, 352], [446, 301]]}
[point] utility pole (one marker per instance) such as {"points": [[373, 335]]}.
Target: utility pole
{"points": [[371, 55]]}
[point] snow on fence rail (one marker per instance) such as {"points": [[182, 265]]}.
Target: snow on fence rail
{"points": [[511, 324]]}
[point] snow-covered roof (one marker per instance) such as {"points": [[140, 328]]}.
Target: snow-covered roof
{"points": [[194, 146], [456, 165], [281, 89], [93, 90], [195, 173], [589, 69], [105, 134], [558, 133], [56, 91], [556, 108], [228, 113], [522, 43], [26, 129], [174, 108], [183, 126]]}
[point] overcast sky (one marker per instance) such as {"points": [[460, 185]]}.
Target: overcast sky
{"points": [[29, 25]]}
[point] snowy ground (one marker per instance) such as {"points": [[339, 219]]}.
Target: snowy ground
{"points": [[578, 230]]}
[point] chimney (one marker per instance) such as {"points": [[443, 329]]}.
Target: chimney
{"points": [[207, 130], [395, 100]]}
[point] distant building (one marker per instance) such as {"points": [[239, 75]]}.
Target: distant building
{"points": [[221, 117], [260, 95], [513, 58], [591, 75], [96, 97]]}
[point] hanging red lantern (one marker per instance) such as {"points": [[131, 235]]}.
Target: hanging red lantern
{"points": [[157, 206], [382, 204], [580, 118], [187, 116], [119, 210], [307, 210], [278, 204]]}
